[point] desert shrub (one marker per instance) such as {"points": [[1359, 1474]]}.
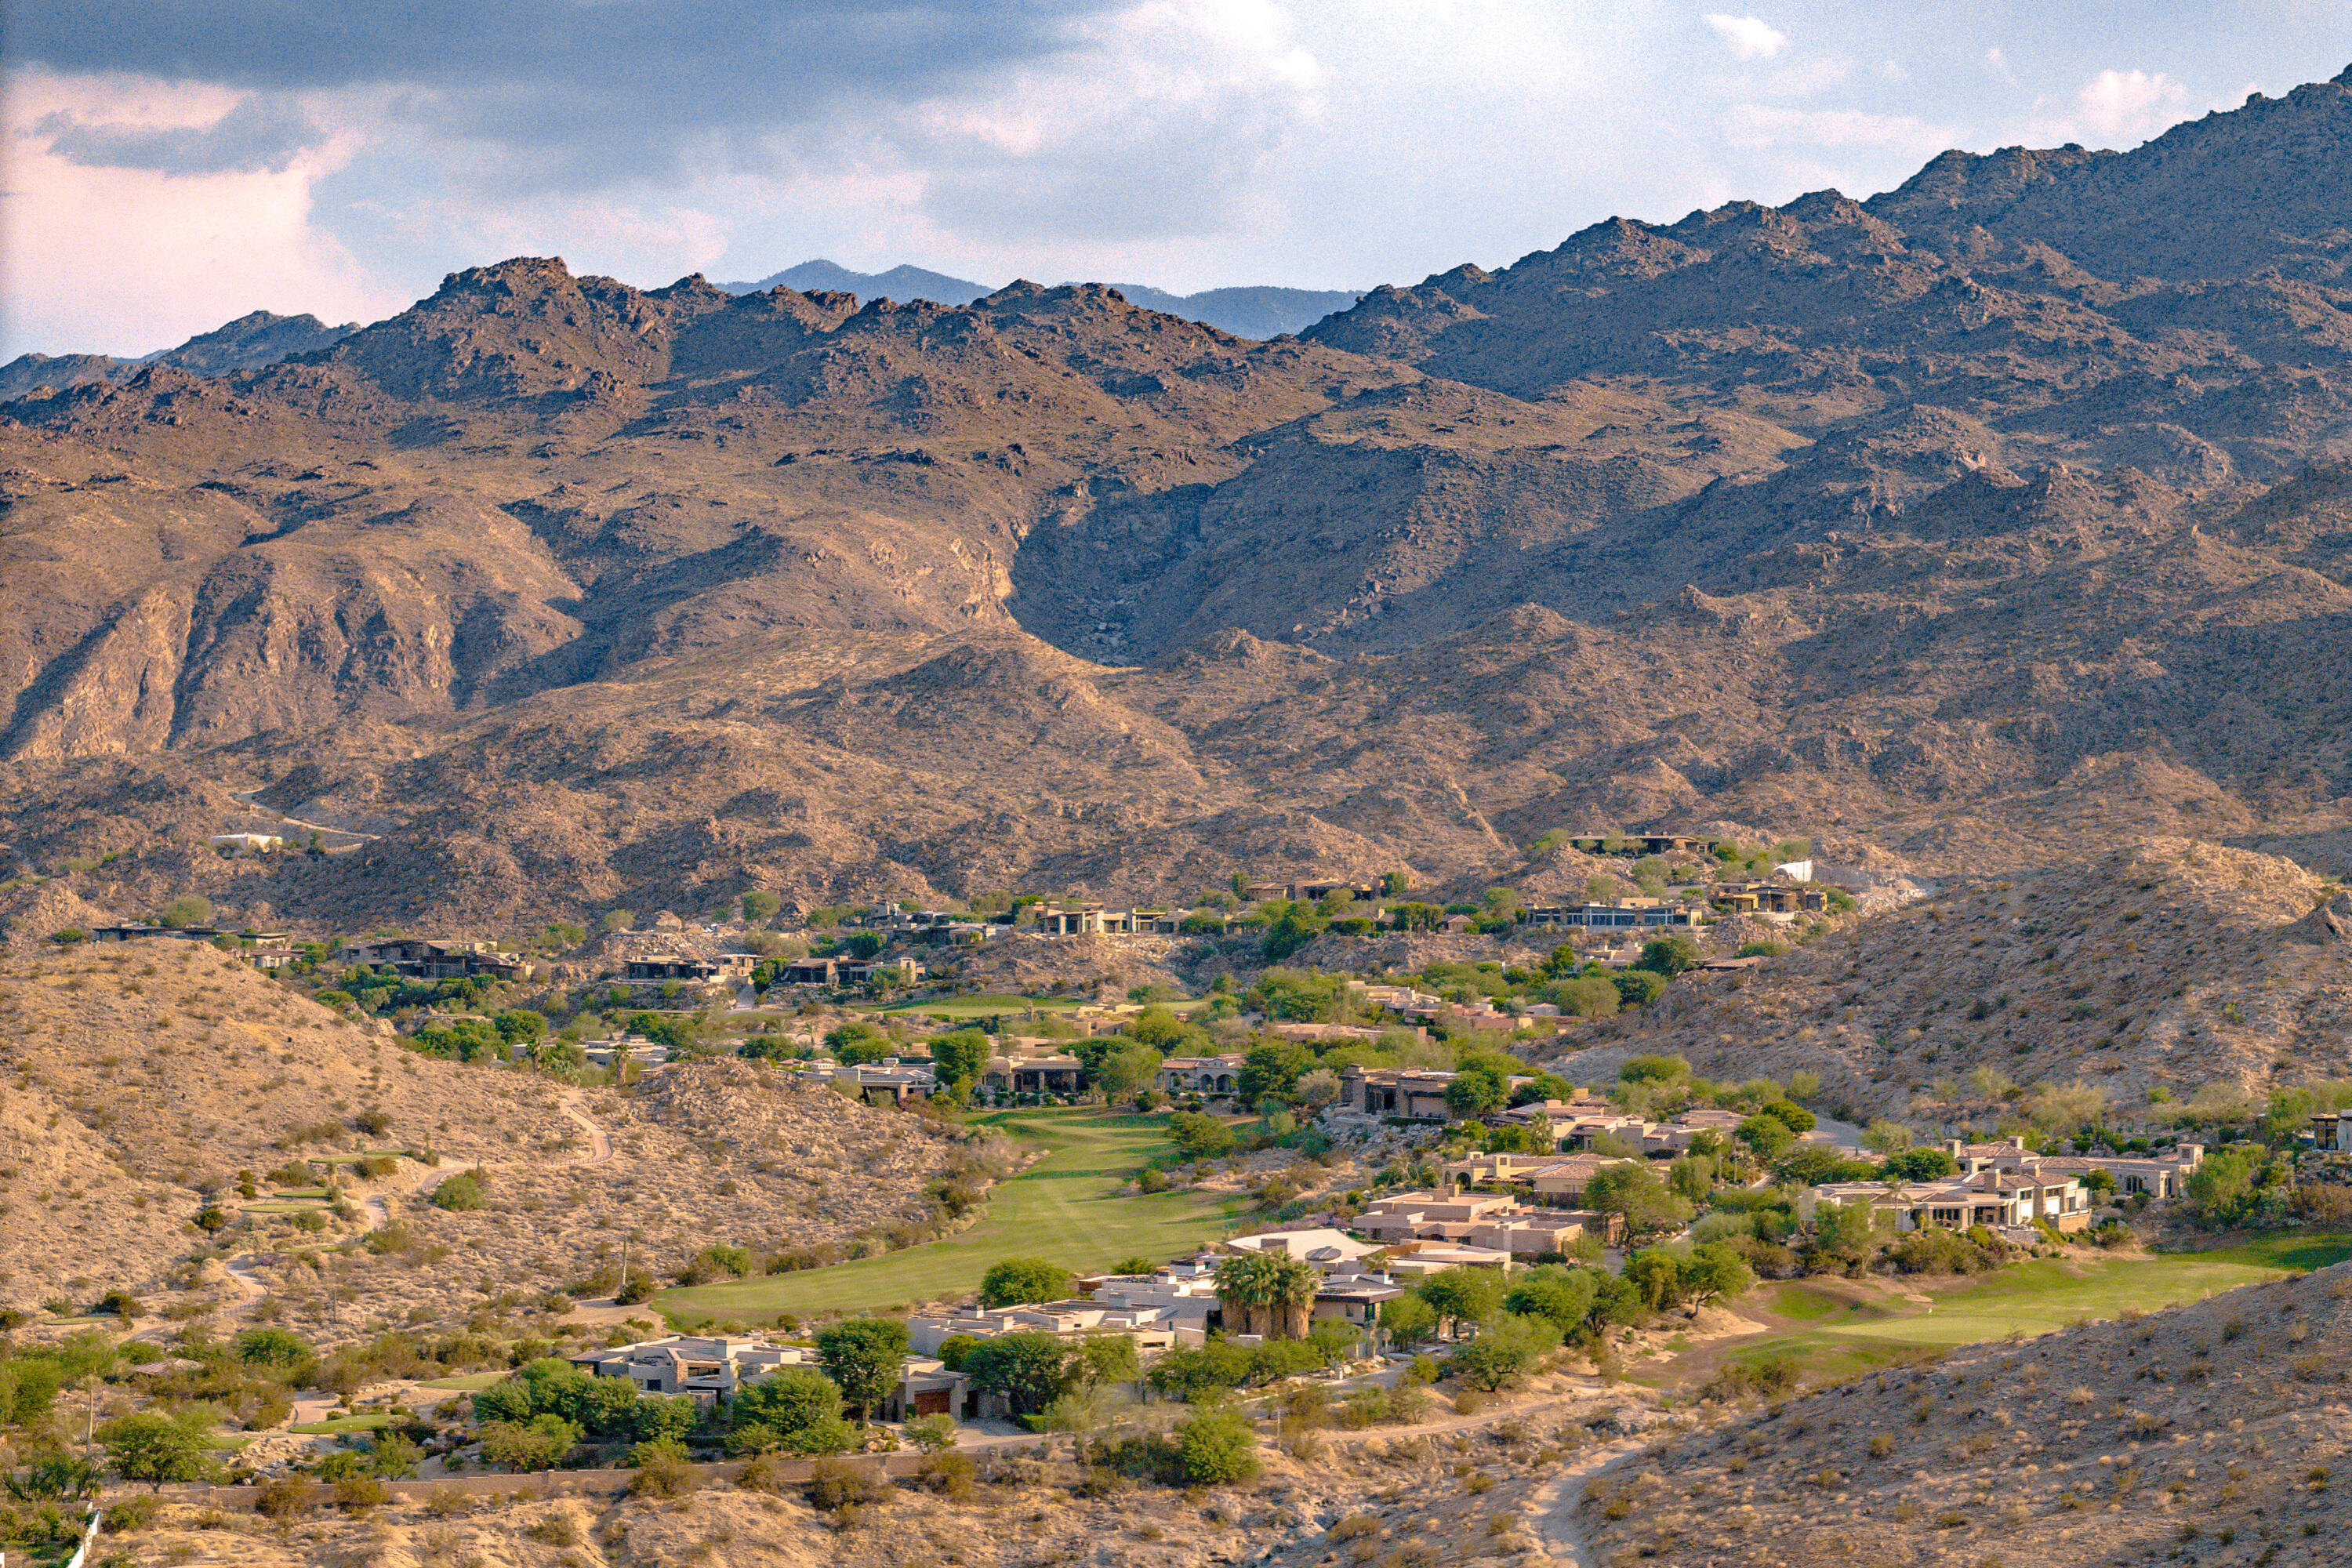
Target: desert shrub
{"points": [[460, 1192], [356, 1494], [950, 1474], [663, 1470], [835, 1484]]}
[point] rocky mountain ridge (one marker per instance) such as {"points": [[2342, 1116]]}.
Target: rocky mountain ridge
{"points": [[1899, 524], [250, 342]]}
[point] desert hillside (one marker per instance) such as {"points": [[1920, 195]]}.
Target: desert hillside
{"points": [[2164, 967], [2210, 1433], [144, 1078], [1991, 523]]}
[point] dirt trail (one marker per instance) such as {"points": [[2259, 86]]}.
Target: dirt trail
{"points": [[599, 1143], [1553, 1504]]}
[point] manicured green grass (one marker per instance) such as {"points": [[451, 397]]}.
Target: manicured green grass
{"points": [[465, 1385], [299, 1206], [987, 1006], [2040, 1297], [1066, 1208], [374, 1422]]}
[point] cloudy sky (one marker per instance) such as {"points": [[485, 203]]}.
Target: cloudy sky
{"points": [[172, 163]]}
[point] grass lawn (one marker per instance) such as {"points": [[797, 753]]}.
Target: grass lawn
{"points": [[296, 1205], [1065, 1208], [465, 1385], [987, 1006], [374, 1422], [1839, 1330]]}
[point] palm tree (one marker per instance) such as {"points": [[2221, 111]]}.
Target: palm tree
{"points": [[1271, 1293]]}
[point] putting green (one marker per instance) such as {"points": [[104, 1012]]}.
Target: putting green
{"points": [[1067, 1208]]}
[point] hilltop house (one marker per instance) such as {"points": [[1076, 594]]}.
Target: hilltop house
{"points": [[888, 1079], [415, 958], [1616, 914]]}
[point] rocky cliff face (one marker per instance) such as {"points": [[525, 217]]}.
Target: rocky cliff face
{"points": [[2006, 505]]}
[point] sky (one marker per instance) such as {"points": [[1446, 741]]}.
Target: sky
{"points": [[170, 164]]}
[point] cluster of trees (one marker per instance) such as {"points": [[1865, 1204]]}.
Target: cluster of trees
{"points": [[509, 1031], [1034, 1373], [1513, 1320], [549, 1407]]}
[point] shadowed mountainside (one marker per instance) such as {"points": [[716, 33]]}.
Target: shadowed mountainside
{"points": [[1982, 522]]}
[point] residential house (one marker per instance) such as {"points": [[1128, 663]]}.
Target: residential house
{"points": [[1324, 1247], [1040, 1075], [1412, 1093], [1417, 1259], [415, 958], [1771, 900], [1997, 1200], [2164, 1175], [1445, 1216], [708, 1368], [811, 971], [1615, 914], [661, 968], [1210, 1078], [888, 1079], [1531, 1234], [248, 843], [865, 971]]}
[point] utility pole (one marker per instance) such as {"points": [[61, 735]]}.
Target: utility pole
{"points": [[622, 1289]]}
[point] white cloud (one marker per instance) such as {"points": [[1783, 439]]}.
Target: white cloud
{"points": [[1998, 63], [127, 260], [1756, 125], [1749, 38], [2130, 104]]}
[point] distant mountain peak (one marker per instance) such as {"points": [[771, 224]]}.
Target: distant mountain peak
{"points": [[1250, 311]]}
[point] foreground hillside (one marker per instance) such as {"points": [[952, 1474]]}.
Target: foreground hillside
{"points": [[2208, 1433], [1991, 523], [145, 1078], [2151, 970]]}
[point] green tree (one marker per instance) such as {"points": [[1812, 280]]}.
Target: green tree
{"points": [[520, 1026], [1669, 955], [1561, 1296], [1919, 1165], [1105, 1359], [1217, 1447], [1716, 1272], [1273, 1070], [394, 1457], [1409, 1319], [759, 904], [1586, 995], [539, 1444], [187, 910], [1477, 1091], [1635, 1192], [865, 1358], [789, 1402], [1199, 1136], [270, 1347], [1505, 1351], [1028, 1370], [1638, 987], [1658, 1276], [958, 1055], [156, 1448], [1129, 1071], [1768, 1136], [1015, 1280], [1464, 1294]]}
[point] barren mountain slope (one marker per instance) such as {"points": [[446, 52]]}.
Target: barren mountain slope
{"points": [[2168, 964], [147, 1075], [707, 1154], [1886, 521], [2174, 1435]]}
